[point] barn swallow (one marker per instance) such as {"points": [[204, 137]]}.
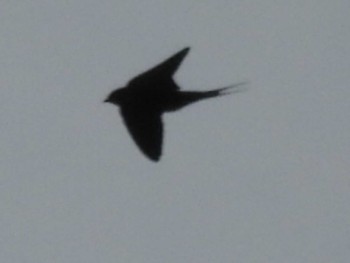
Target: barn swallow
{"points": [[148, 95]]}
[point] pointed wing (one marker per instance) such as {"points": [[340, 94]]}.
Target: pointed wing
{"points": [[161, 74], [146, 129]]}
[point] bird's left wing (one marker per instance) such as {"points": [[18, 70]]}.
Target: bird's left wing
{"points": [[146, 129]]}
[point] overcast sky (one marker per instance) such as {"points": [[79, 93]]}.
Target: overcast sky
{"points": [[259, 176]]}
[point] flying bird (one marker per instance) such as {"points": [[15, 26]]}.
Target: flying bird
{"points": [[147, 96]]}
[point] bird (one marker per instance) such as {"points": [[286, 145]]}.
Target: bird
{"points": [[147, 96]]}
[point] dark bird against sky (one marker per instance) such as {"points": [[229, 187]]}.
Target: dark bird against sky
{"points": [[147, 96]]}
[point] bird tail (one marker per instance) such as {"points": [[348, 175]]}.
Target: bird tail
{"points": [[226, 90], [188, 97]]}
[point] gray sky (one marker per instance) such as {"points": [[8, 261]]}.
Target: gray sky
{"points": [[271, 184]]}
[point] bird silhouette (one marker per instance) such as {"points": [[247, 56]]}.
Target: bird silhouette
{"points": [[147, 96]]}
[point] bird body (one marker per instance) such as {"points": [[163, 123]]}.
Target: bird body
{"points": [[147, 96]]}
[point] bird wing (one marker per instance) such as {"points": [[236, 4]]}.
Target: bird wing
{"points": [[146, 129], [161, 74]]}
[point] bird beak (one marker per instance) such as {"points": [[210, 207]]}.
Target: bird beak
{"points": [[106, 100]]}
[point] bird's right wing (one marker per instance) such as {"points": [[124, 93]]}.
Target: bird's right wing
{"points": [[162, 72], [146, 129]]}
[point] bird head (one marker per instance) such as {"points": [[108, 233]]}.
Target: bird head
{"points": [[114, 97]]}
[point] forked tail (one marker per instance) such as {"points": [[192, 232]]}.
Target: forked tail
{"points": [[226, 90], [188, 97]]}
